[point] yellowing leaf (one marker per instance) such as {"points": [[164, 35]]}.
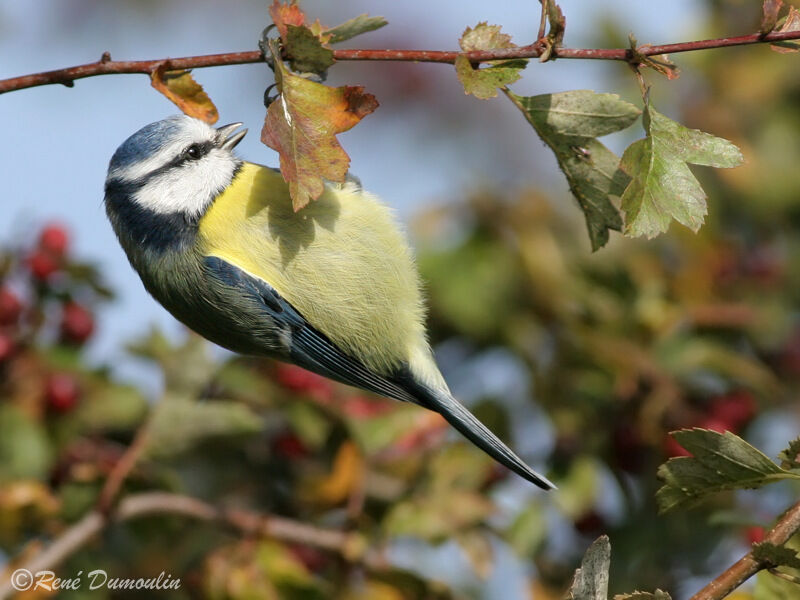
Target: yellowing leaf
{"points": [[284, 14], [483, 82], [792, 23], [346, 475], [188, 95], [484, 37], [302, 124], [662, 187]]}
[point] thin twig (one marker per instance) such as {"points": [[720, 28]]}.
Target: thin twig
{"points": [[122, 469], [106, 66], [748, 565], [351, 546]]}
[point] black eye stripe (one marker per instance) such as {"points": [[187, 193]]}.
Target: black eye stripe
{"points": [[195, 151]]}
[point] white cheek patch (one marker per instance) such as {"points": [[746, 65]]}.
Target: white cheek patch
{"points": [[192, 131], [189, 188]]}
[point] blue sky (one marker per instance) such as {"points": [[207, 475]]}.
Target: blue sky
{"points": [[59, 140]]}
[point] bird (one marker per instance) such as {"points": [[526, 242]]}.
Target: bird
{"points": [[332, 288]]}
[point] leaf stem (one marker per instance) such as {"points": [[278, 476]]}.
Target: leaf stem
{"points": [[106, 66]]}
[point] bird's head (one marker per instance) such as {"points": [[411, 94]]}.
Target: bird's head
{"points": [[172, 167]]}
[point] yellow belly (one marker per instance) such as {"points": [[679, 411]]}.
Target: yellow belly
{"points": [[342, 262]]}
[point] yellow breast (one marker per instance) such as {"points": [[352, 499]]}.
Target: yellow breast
{"points": [[341, 262]]}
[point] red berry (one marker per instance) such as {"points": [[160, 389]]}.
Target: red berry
{"points": [[54, 240], [672, 449], [630, 450], [289, 445], [735, 409], [42, 265], [754, 534], [299, 380], [61, 392], [589, 523], [77, 323], [10, 307], [361, 407], [313, 559], [7, 347]]}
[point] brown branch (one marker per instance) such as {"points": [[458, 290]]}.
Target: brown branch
{"points": [[106, 66], [350, 546], [747, 566]]}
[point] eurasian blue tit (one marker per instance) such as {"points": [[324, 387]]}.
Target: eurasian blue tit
{"points": [[332, 288]]}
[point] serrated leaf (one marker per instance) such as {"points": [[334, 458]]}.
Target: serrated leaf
{"points": [[657, 595], [662, 187], [302, 124], [769, 15], [284, 14], [790, 23], [776, 556], [179, 424], [719, 461], [591, 579], [790, 458], [188, 95], [353, 27], [484, 37], [305, 50], [569, 122], [482, 82]]}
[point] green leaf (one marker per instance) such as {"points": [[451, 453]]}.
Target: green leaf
{"points": [[591, 579], [718, 462], [179, 424], [776, 556], [482, 82], [25, 450], [437, 517], [657, 595], [528, 530], [662, 187], [790, 458], [355, 26], [569, 122], [306, 52]]}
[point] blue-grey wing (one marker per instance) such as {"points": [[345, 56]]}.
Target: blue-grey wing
{"points": [[305, 345]]}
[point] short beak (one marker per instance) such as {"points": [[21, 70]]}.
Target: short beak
{"points": [[226, 139]]}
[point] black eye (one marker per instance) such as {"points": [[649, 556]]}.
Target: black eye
{"points": [[194, 151]]}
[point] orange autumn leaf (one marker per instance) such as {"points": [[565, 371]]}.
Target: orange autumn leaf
{"points": [[188, 95], [301, 125], [286, 14]]}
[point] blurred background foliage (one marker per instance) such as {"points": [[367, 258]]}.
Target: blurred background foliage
{"points": [[582, 361]]}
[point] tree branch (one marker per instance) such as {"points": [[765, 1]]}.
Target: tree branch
{"points": [[747, 566], [106, 66], [350, 546]]}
